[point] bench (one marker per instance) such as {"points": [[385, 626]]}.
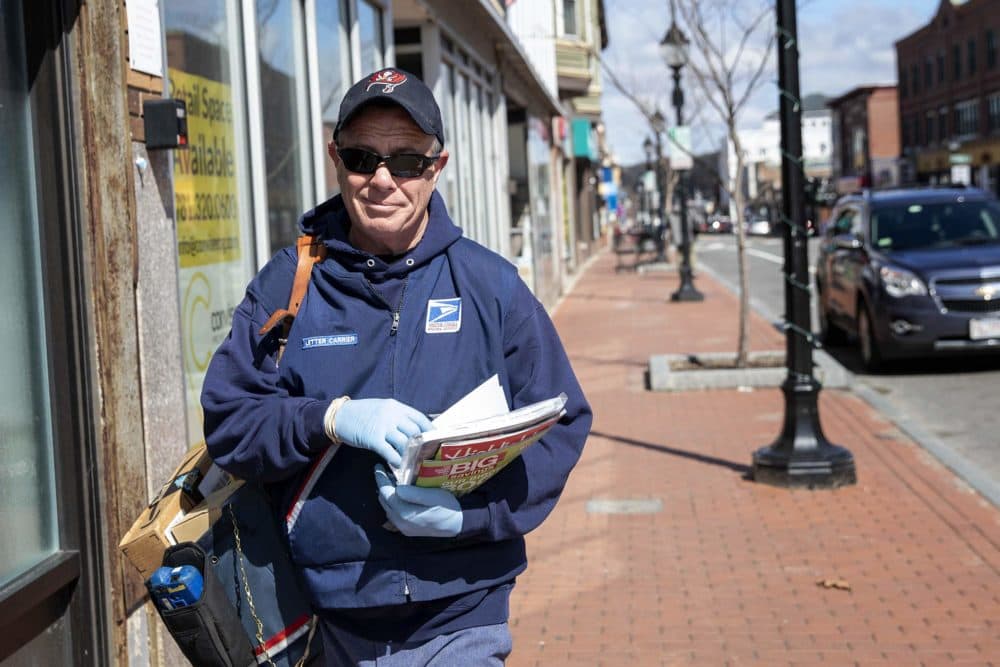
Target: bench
{"points": [[639, 243]]}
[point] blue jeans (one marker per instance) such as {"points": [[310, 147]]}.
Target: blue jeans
{"points": [[486, 646]]}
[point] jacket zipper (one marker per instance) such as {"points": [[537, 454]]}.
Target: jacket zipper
{"points": [[394, 327]]}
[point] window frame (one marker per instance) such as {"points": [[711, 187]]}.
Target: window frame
{"points": [[69, 583]]}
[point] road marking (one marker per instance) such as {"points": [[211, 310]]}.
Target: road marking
{"points": [[770, 257]]}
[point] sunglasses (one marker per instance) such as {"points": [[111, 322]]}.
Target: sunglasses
{"points": [[404, 165]]}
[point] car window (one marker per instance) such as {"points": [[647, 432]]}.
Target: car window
{"points": [[938, 224], [844, 222]]}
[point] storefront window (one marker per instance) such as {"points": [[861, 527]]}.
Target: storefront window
{"points": [[464, 148], [470, 182], [281, 47], [370, 33], [333, 56], [447, 185], [539, 184], [211, 192], [28, 525]]}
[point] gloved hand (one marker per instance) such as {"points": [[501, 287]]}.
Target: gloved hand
{"points": [[417, 511], [381, 425]]}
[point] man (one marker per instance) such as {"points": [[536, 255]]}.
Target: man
{"points": [[362, 369]]}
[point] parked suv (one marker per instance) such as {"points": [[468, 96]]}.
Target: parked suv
{"points": [[911, 273]]}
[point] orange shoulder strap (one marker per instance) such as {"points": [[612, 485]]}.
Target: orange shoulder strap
{"points": [[311, 250]]}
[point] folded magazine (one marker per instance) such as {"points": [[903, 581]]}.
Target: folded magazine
{"points": [[461, 456]]}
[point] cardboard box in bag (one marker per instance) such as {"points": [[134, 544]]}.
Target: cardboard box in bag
{"points": [[197, 521], [148, 537]]}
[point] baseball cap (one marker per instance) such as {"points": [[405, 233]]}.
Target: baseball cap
{"points": [[394, 86]]}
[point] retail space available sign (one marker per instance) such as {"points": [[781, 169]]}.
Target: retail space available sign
{"points": [[213, 266]]}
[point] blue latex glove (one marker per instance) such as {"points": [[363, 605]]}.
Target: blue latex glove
{"points": [[416, 511], [381, 425]]}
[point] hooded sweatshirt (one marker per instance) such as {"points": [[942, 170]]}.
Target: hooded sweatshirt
{"points": [[364, 330]]}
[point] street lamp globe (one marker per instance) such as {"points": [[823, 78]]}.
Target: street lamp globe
{"points": [[674, 47]]}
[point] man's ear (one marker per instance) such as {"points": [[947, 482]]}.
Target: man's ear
{"points": [[331, 149], [441, 162]]}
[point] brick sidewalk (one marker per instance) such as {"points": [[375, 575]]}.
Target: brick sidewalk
{"points": [[726, 573]]}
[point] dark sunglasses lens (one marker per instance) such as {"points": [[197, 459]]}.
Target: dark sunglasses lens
{"points": [[406, 165], [359, 161]]}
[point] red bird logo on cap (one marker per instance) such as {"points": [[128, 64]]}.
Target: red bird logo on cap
{"points": [[388, 79]]}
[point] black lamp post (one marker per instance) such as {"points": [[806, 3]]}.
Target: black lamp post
{"points": [[801, 456], [674, 49], [659, 124]]}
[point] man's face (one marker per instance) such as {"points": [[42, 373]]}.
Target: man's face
{"points": [[388, 213]]}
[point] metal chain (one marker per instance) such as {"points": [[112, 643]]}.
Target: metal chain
{"points": [[785, 325], [253, 610], [246, 587]]}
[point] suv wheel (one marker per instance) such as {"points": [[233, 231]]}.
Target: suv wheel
{"points": [[871, 357]]}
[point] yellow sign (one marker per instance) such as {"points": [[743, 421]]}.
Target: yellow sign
{"points": [[205, 185], [210, 236]]}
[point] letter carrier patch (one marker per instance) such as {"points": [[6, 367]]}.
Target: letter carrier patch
{"points": [[330, 341], [443, 315]]}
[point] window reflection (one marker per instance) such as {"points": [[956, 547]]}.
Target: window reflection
{"points": [[370, 33], [211, 197], [282, 86], [27, 486], [334, 59]]}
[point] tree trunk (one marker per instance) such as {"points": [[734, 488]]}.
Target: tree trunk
{"points": [[743, 336]]}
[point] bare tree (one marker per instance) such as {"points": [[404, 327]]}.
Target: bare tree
{"points": [[647, 104], [731, 42], [731, 46]]}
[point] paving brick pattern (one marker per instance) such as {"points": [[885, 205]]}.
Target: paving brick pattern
{"points": [[727, 572]]}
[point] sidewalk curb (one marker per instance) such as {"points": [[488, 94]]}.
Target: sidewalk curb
{"points": [[958, 464]]}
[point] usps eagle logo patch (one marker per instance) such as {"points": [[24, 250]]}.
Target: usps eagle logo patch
{"points": [[443, 316]]}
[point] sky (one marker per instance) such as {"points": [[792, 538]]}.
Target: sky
{"points": [[843, 44]]}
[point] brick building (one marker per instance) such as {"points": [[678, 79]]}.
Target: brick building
{"points": [[865, 129], [949, 96]]}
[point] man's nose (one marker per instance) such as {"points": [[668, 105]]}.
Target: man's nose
{"points": [[382, 178]]}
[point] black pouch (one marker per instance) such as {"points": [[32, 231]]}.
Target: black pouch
{"points": [[208, 632]]}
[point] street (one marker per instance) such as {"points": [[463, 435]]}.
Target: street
{"points": [[949, 403]]}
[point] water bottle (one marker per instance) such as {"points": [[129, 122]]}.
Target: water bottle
{"points": [[175, 587]]}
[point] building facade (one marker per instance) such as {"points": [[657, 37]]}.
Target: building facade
{"points": [[126, 261], [949, 96], [762, 153], [581, 34], [866, 145]]}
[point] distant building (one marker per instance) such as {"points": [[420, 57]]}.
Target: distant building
{"points": [[865, 138], [949, 96], [762, 151]]}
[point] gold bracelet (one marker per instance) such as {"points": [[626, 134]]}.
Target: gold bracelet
{"points": [[329, 418]]}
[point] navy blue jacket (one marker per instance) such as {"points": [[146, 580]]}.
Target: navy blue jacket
{"points": [[363, 330]]}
